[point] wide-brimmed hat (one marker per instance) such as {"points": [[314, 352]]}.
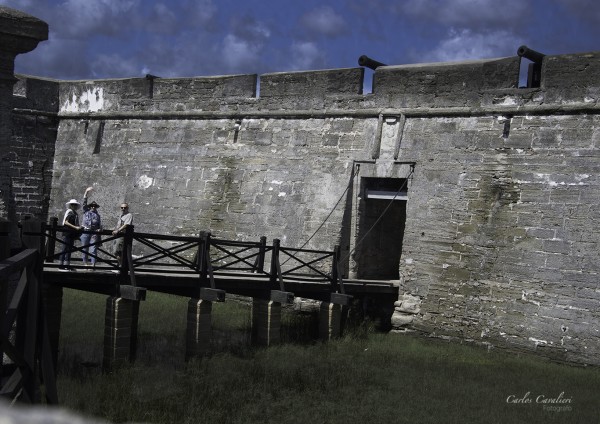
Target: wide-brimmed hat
{"points": [[94, 204], [73, 202]]}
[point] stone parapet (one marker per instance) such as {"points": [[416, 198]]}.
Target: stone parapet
{"points": [[470, 85], [35, 96], [571, 78], [443, 84]]}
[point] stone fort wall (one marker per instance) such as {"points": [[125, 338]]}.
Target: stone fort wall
{"points": [[496, 244], [31, 158]]}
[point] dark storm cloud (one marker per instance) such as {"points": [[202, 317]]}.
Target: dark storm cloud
{"points": [[587, 10], [476, 15], [81, 18], [65, 56], [174, 17]]}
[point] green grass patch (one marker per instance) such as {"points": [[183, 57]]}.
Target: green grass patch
{"points": [[360, 378]]}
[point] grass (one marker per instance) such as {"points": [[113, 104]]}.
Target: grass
{"points": [[364, 377]]}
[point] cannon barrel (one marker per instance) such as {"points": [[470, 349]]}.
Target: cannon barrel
{"points": [[369, 63], [532, 55]]}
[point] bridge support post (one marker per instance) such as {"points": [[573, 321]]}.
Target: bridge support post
{"points": [[330, 321], [332, 316], [198, 329], [120, 331], [199, 321], [52, 296], [266, 322], [32, 237], [4, 253]]}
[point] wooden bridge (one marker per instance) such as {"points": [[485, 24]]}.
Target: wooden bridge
{"points": [[185, 265], [203, 268]]}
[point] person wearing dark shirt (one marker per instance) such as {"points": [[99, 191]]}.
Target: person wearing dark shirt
{"points": [[92, 224], [72, 227]]}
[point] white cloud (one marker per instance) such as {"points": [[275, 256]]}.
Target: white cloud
{"points": [[250, 29], [242, 48], [306, 55], [199, 12], [163, 19], [465, 44], [174, 17], [239, 53], [324, 21], [114, 64]]}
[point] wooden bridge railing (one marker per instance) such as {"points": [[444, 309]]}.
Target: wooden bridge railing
{"points": [[26, 361], [53, 235], [205, 255]]}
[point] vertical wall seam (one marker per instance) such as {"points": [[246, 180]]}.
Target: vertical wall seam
{"points": [[377, 141], [99, 136], [399, 136]]}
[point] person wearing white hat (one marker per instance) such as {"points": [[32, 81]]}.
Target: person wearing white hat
{"points": [[71, 222]]}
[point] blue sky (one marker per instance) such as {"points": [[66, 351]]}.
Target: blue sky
{"points": [[91, 39]]}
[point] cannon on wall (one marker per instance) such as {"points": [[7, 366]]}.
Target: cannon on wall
{"points": [[366, 61], [534, 73]]}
